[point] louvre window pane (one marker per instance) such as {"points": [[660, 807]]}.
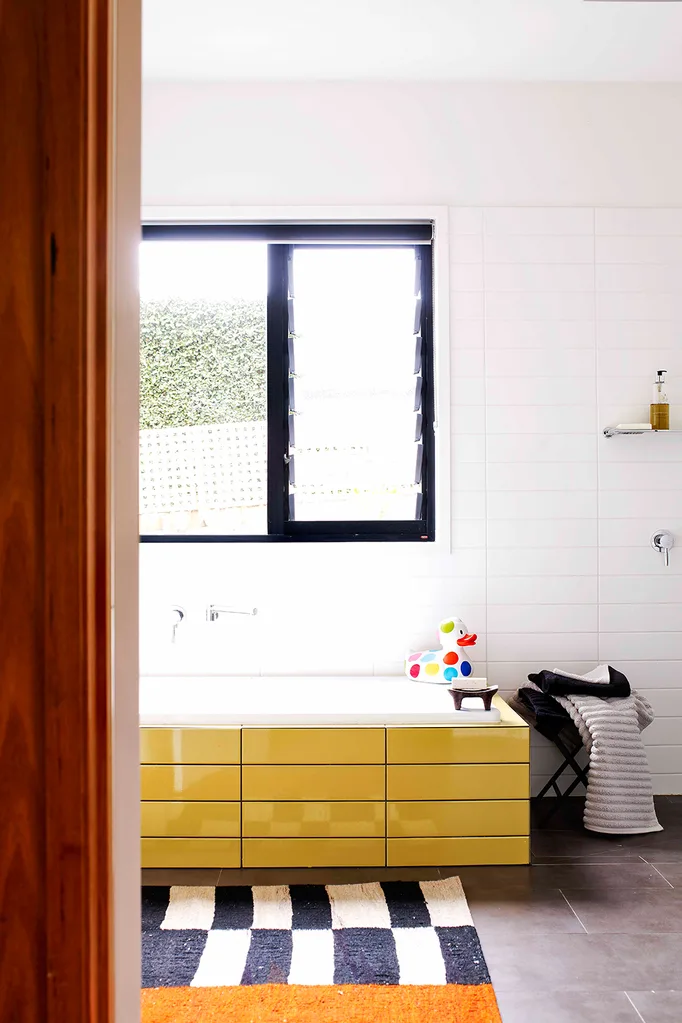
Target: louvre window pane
{"points": [[265, 352], [354, 347], [203, 436]]}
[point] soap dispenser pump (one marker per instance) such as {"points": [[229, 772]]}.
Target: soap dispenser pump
{"points": [[659, 410]]}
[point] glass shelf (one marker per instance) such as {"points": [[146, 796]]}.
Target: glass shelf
{"points": [[614, 431]]}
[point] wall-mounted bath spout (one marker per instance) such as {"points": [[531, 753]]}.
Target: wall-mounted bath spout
{"points": [[214, 611]]}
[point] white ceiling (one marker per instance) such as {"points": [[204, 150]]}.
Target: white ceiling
{"points": [[519, 40]]}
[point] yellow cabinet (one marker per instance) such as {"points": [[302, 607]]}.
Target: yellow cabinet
{"points": [[456, 852], [313, 852], [485, 817], [335, 796], [457, 781], [307, 782], [313, 746], [190, 852], [190, 745], [470, 745], [206, 781], [191, 820], [314, 820]]}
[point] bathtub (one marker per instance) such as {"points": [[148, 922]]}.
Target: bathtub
{"points": [[305, 700], [367, 772]]}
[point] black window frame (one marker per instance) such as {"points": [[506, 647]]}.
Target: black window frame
{"points": [[281, 239]]}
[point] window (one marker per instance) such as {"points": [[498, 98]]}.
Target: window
{"points": [[286, 382]]}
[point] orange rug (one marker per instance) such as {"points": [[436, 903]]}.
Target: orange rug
{"points": [[291, 1003]]}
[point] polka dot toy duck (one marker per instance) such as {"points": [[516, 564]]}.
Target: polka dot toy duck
{"points": [[451, 664]]}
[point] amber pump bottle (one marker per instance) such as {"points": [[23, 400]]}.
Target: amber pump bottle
{"points": [[659, 410]]}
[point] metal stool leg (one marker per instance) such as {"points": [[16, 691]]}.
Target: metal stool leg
{"points": [[580, 776]]}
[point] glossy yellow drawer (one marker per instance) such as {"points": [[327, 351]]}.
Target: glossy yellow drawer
{"points": [[196, 781], [314, 820], [313, 852], [309, 782], [457, 852], [313, 746], [458, 781], [190, 745], [458, 745], [462, 818], [191, 852], [190, 820]]}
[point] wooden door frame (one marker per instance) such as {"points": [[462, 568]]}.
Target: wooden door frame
{"points": [[124, 447], [66, 301], [76, 523]]}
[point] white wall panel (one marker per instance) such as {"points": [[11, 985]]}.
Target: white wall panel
{"points": [[565, 284]]}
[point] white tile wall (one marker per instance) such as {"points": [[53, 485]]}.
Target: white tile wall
{"points": [[559, 319], [539, 220], [613, 286], [638, 222]]}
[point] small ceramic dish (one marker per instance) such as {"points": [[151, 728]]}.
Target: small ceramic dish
{"points": [[460, 693]]}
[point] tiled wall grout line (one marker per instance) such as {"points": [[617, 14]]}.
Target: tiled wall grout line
{"points": [[597, 439], [662, 875], [634, 1006], [574, 912], [484, 273]]}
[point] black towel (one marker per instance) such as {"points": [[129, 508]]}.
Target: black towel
{"points": [[549, 717], [558, 685]]}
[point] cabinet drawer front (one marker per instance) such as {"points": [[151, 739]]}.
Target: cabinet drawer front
{"points": [[190, 745], [313, 746], [454, 819], [313, 852], [460, 781], [458, 745], [197, 781], [190, 852], [306, 782], [456, 852], [313, 820], [190, 820]]}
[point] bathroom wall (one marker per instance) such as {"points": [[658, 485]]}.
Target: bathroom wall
{"points": [[565, 223]]}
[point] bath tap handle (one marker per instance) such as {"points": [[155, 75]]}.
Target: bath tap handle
{"points": [[178, 616], [663, 541]]}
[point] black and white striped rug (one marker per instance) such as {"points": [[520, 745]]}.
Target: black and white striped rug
{"points": [[389, 933]]}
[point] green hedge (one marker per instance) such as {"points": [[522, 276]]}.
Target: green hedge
{"points": [[201, 363]]}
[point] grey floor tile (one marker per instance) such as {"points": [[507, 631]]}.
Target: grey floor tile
{"points": [[566, 1007], [653, 958], [176, 875], [563, 875], [547, 816], [628, 910], [507, 912], [597, 875], [329, 875], [580, 847], [659, 847], [672, 872], [567, 962], [669, 810], [657, 1006], [484, 878]]}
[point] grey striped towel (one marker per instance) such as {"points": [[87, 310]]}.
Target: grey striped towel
{"points": [[619, 797]]}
